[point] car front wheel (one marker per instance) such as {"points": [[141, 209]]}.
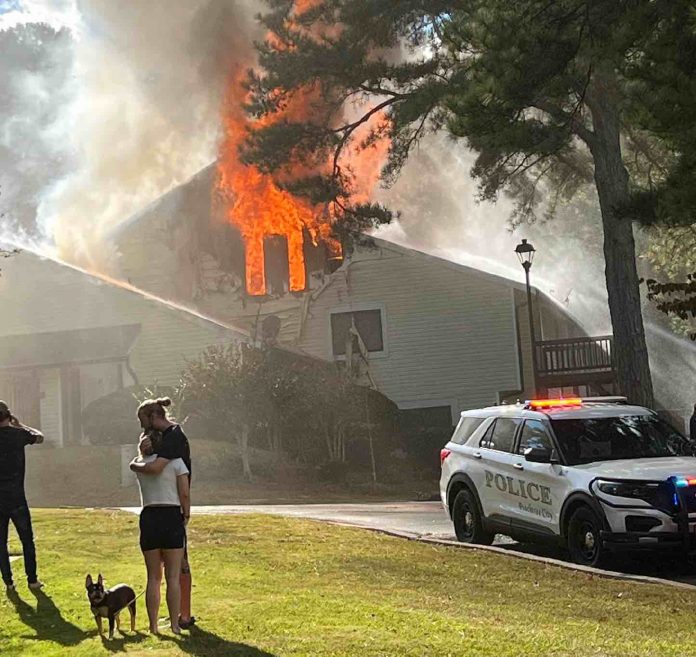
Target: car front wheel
{"points": [[584, 542], [468, 523]]}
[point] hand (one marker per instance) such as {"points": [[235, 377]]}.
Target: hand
{"points": [[146, 445], [14, 421]]}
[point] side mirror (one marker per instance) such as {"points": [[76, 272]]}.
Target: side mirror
{"points": [[538, 455]]}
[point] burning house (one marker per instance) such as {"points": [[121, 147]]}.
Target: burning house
{"points": [[434, 336]]}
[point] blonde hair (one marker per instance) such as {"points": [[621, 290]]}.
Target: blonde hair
{"points": [[155, 407]]}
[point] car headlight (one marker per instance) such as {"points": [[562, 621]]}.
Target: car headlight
{"points": [[657, 494], [637, 489]]}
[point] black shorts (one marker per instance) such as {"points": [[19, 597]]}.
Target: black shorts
{"points": [[162, 528]]}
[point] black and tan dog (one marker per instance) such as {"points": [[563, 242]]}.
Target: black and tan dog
{"points": [[109, 603]]}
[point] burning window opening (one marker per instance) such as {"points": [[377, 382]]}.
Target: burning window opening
{"points": [[263, 211]]}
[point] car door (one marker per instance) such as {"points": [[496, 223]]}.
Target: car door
{"points": [[541, 487], [497, 469]]}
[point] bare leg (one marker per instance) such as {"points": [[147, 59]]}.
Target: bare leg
{"points": [[172, 573], [185, 583], [153, 563]]}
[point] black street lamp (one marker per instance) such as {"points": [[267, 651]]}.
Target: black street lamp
{"points": [[525, 252]]}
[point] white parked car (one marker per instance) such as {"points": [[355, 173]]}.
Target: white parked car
{"points": [[595, 475]]}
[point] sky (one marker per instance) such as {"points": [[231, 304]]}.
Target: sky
{"points": [[57, 13]]}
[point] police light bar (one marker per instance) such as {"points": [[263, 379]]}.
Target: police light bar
{"points": [[683, 482], [554, 403]]}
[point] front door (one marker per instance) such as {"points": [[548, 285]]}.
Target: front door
{"points": [[542, 487]]}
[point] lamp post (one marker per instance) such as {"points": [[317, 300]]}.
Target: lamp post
{"points": [[525, 252]]}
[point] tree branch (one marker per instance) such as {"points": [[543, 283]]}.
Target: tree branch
{"points": [[570, 119]]}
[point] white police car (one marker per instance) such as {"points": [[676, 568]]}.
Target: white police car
{"points": [[595, 475]]}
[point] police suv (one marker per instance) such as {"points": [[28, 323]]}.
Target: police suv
{"points": [[595, 475]]}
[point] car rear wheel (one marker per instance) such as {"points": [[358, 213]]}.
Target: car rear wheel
{"points": [[584, 542], [468, 523]]}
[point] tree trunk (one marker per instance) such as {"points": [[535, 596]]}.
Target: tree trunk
{"points": [[611, 179], [244, 445]]}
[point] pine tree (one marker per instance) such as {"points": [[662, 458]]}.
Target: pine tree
{"points": [[545, 92]]}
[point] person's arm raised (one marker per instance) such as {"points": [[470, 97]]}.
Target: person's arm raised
{"points": [[35, 433]]}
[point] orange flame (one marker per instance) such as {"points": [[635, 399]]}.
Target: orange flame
{"points": [[261, 209]]}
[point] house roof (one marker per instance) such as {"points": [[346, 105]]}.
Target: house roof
{"points": [[175, 207], [443, 262], [475, 271], [58, 289], [92, 345]]}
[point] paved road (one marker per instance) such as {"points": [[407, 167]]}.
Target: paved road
{"points": [[429, 520]]}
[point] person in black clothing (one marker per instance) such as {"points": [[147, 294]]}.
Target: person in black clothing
{"points": [[173, 444], [692, 426], [14, 437]]}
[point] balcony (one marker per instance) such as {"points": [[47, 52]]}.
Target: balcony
{"points": [[575, 361]]}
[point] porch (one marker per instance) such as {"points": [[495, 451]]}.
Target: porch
{"points": [[576, 365]]}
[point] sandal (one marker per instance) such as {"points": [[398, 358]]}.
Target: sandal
{"points": [[184, 625]]}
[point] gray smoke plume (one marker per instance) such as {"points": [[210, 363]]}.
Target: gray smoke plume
{"points": [[123, 104]]}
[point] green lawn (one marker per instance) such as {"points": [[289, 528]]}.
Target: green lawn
{"points": [[276, 587]]}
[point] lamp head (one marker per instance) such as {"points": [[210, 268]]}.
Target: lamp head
{"points": [[525, 252]]}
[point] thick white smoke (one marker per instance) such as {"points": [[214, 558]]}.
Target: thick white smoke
{"points": [[137, 113], [440, 214]]}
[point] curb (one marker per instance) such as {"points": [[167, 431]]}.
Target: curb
{"points": [[550, 561], [559, 563]]}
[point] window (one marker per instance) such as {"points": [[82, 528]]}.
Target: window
{"points": [[466, 427], [534, 434], [588, 440], [501, 434], [368, 324]]}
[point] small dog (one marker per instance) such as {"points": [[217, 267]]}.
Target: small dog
{"points": [[108, 604]]}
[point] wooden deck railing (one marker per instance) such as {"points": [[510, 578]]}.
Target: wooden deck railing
{"points": [[594, 354]]}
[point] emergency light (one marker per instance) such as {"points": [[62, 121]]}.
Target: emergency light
{"points": [[554, 403], [683, 482]]}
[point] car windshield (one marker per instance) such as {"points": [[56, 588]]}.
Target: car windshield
{"points": [[588, 440]]}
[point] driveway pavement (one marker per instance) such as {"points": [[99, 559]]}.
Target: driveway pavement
{"points": [[427, 520]]}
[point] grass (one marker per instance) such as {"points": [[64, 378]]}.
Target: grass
{"points": [[272, 587]]}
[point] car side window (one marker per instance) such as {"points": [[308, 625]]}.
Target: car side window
{"points": [[501, 434], [504, 434], [534, 434], [465, 428]]}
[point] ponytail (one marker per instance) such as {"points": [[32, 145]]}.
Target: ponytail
{"points": [[155, 407]]}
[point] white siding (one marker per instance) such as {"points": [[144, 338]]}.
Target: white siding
{"points": [[51, 405], [449, 331], [46, 296]]}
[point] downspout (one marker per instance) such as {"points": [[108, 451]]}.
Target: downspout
{"points": [[131, 371]]}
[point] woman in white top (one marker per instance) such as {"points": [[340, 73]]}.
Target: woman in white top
{"points": [[166, 505]]}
